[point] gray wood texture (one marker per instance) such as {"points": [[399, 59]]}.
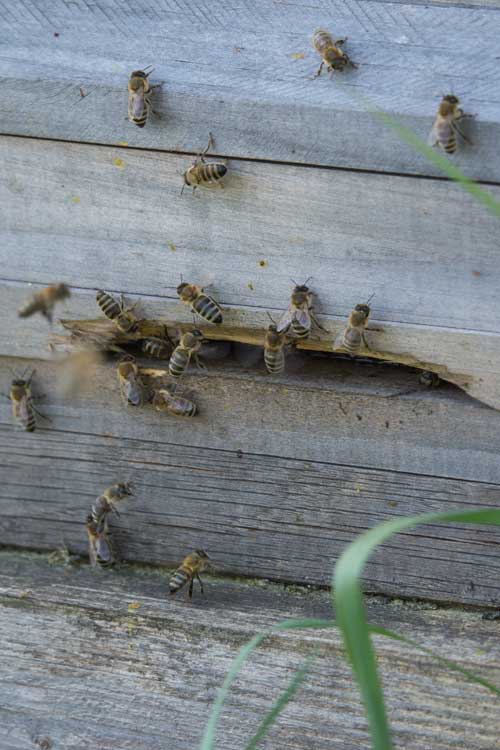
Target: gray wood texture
{"points": [[81, 668], [264, 495], [246, 75], [405, 240]]}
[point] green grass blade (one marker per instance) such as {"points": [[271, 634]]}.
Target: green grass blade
{"points": [[280, 704], [351, 614]]}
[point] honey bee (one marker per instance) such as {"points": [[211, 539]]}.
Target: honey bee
{"points": [[158, 347], [445, 128], [131, 385], [166, 399], [189, 346], [200, 303], [139, 97], [203, 174], [101, 550], [23, 408], [44, 301], [190, 568], [124, 319], [429, 379], [352, 338], [274, 350], [299, 315], [107, 502], [332, 56]]}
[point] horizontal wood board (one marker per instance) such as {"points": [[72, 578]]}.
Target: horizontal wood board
{"points": [[404, 240], [245, 73], [155, 669], [266, 497]]}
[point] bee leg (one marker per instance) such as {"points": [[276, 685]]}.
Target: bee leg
{"points": [[209, 145], [340, 42], [316, 322], [365, 342], [200, 365], [200, 582], [190, 593], [319, 69], [462, 134], [42, 416]]}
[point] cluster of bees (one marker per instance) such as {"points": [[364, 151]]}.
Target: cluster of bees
{"points": [[294, 324]]}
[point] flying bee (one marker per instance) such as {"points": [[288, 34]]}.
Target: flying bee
{"points": [[101, 551], [202, 174], [332, 56], [107, 502], [23, 408], [131, 385], [188, 346], [44, 301], [445, 128], [139, 97], [352, 338], [274, 350], [123, 317], [166, 399], [200, 303], [299, 315], [189, 569]]}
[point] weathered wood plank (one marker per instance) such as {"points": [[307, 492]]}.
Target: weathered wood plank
{"points": [[156, 670], [434, 282], [228, 478], [237, 73]]}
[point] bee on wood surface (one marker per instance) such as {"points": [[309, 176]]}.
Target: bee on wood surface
{"points": [[123, 317], [132, 388], [139, 97], [44, 301], [169, 400], [332, 56], [202, 174], [23, 408], [158, 347], [352, 338], [299, 316], [190, 568], [101, 550], [200, 303], [274, 350], [445, 128], [189, 346], [108, 501], [429, 379]]}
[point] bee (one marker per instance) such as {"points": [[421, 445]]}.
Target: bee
{"points": [[200, 303], [101, 550], [332, 56], [429, 379], [107, 502], [352, 338], [274, 350], [44, 301], [190, 568], [131, 385], [299, 315], [124, 319], [166, 399], [201, 173], [189, 346], [23, 409], [445, 128], [139, 97], [157, 347]]}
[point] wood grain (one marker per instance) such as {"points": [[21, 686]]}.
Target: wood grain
{"points": [[247, 77], [72, 642], [404, 240]]}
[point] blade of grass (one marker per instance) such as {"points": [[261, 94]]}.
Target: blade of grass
{"points": [[351, 613], [280, 704]]}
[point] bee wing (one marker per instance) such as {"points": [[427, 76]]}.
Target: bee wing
{"points": [[92, 547], [433, 138], [133, 392], [339, 341], [103, 549], [21, 410], [441, 132], [286, 319], [135, 103], [303, 318]]}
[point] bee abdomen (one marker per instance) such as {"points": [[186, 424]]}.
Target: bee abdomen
{"points": [[212, 172], [275, 361], [156, 348], [29, 308], [451, 146], [108, 305], [299, 330], [351, 342], [322, 40], [183, 408], [178, 580], [208, 309], [30, 422], [178, 362]]}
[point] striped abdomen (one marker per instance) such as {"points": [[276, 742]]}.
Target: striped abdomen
{"points": [[109, 305], [300, 331], [352, 340], [274, 360], [24, 413], [446, 136], [205, 174], [156, 348], [208, 309], [181, 407], [179, 578], [322, 41], [179, 361], [34, 305]]}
